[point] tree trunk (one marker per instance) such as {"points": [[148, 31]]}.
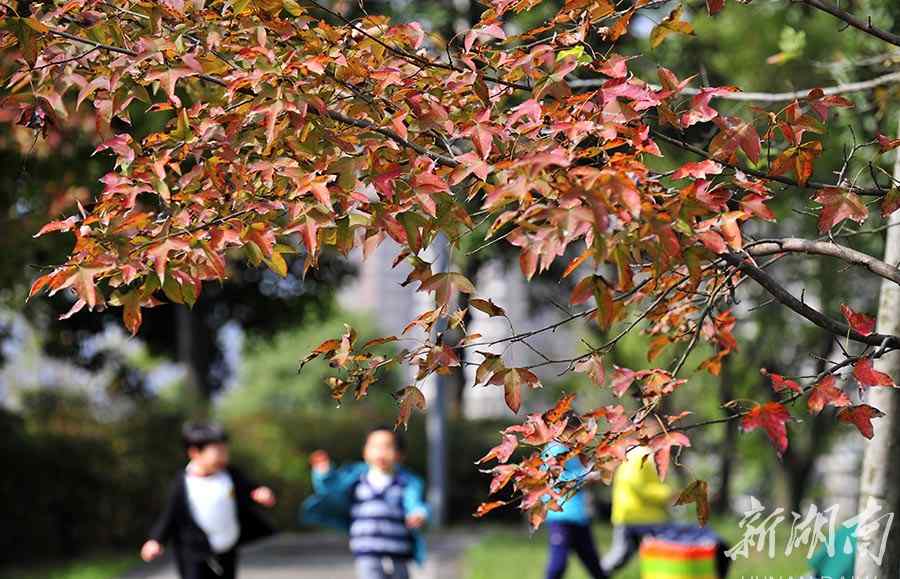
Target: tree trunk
{"points": [[722, 502], [190, 343], [881, 469]]}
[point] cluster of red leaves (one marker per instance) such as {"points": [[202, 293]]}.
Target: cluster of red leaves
{"points": [[826, 391], [599, 439], [293, 131]]}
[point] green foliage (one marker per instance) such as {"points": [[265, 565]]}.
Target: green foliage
{"points": [[270, 381], [97, 567]]}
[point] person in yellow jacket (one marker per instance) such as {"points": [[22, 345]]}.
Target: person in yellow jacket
{"points": [[639, 501]]}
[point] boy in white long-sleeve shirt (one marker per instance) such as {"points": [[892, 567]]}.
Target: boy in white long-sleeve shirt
{"points": [[210, 510]]}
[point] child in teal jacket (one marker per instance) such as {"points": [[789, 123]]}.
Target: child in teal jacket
{"points": [[838, 564], [569, 529], [377, 502]]}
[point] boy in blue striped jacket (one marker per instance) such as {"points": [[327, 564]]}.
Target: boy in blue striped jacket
{"points": [[379, 503]]}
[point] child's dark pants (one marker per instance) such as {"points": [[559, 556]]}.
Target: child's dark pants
{"points": [[222, 566], [570, 536]]}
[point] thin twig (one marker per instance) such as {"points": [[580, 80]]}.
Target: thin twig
{"points": [[855, 22], [766, 97]]}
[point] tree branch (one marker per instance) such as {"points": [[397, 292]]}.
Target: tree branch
{"points": [[679, 142], [770, 97], [334, 115], [850, 360], [844, 253], [850, 19], [837, 328]]}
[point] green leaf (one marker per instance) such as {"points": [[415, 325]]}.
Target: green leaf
{"points": [[576, 51], [172, 289]]}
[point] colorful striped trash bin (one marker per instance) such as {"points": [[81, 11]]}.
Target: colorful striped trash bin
{"points": [[671, 559]]}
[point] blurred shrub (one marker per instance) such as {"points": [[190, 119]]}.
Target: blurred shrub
{"points": [[75, 484]]}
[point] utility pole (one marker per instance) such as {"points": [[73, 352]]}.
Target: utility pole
{"points": [[436, 416], [881, 469]]}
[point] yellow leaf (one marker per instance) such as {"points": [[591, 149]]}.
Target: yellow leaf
{"points": [[269, 6], [37, 25], [240, 6], [672, 23], [277, 264], [293, 8]]}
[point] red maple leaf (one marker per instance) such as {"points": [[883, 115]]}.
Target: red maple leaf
{"points": [[502, 451], [714, 6], [713, 242], [615, 66], [865, 373], [797, 159], [535, 431], [662, 450], [756, 204], [512, 379], [735, 133], [698, 170], [593, 367], [886, 144], [891, 202], [821, 103], [502, 475], [771, 417], [861, 323], [780, 383], [861, 416], [485, 508], [825, 392], [622, 379], [409, 398], [700, 110], [838, 205]]}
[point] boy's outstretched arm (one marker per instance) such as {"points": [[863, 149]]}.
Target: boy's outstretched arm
{"points": [[151, 550], [259, 494], [414, 503], [321, 466], [161, 530], [264, 496]]}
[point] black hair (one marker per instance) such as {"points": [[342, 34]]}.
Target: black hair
{"points": [[399, 439], [199, 434]]}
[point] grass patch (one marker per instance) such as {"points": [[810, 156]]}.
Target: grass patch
{"points": [[98, 567], [509, 553]]}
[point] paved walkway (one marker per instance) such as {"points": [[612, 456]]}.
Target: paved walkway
{"points": [[322, 556]]}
